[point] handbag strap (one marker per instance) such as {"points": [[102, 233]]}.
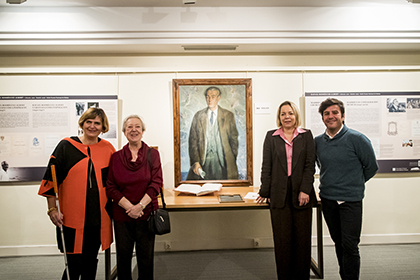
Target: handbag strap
{"points": [[161, 191]]}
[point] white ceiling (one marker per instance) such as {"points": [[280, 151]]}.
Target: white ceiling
{"points": [[204, 3], [242, 48]]}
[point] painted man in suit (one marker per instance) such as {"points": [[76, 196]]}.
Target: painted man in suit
{"points": [[213, 141]]}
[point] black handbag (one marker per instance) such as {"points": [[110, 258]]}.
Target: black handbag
{"points": [[158, 220]]}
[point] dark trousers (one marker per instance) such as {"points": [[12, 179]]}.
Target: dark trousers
{"points": [[83, 266], [344, 222], [128, 235], [292, 240]]}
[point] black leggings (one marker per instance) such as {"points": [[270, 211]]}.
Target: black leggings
{"points": [[84, 265]]}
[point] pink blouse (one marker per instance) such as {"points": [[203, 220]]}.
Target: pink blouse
{"points": [[289, 146]]}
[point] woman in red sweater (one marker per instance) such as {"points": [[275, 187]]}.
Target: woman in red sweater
{"points": [[134, 181]]}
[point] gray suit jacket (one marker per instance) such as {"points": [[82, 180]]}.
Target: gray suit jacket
{"points": [[229, 138]]}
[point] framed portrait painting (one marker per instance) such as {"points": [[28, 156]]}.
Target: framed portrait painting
{"points": [[213, 131]]}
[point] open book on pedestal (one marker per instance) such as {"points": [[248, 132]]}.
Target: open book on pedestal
{"points": [[199, 190]]}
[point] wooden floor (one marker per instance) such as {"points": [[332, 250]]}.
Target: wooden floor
{"points": [[382, 262]]}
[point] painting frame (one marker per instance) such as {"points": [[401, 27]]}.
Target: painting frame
{"points": [[189, 97]]}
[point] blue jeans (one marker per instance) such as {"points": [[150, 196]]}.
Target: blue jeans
{"points": [[344, 222]]}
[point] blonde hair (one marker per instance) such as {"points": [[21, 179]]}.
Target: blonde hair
{"points": [[143, 127], [295, 110], [92, 113]]}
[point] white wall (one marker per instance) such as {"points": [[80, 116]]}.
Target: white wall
{"points": [[391, 200]]}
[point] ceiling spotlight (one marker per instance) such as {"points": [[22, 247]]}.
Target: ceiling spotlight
{"points": [[15, 1], [188, 2]]}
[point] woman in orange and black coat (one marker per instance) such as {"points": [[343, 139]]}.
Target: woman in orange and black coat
{"points": [[81, 164]]}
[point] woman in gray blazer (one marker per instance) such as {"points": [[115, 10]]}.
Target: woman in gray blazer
{"points": [[287, 177]]}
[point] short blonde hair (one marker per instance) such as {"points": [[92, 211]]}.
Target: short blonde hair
{"points": [[143, 127], [295, 110], [92, 113]]}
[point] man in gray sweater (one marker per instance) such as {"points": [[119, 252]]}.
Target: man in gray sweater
{"points": [[346, 160]]}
